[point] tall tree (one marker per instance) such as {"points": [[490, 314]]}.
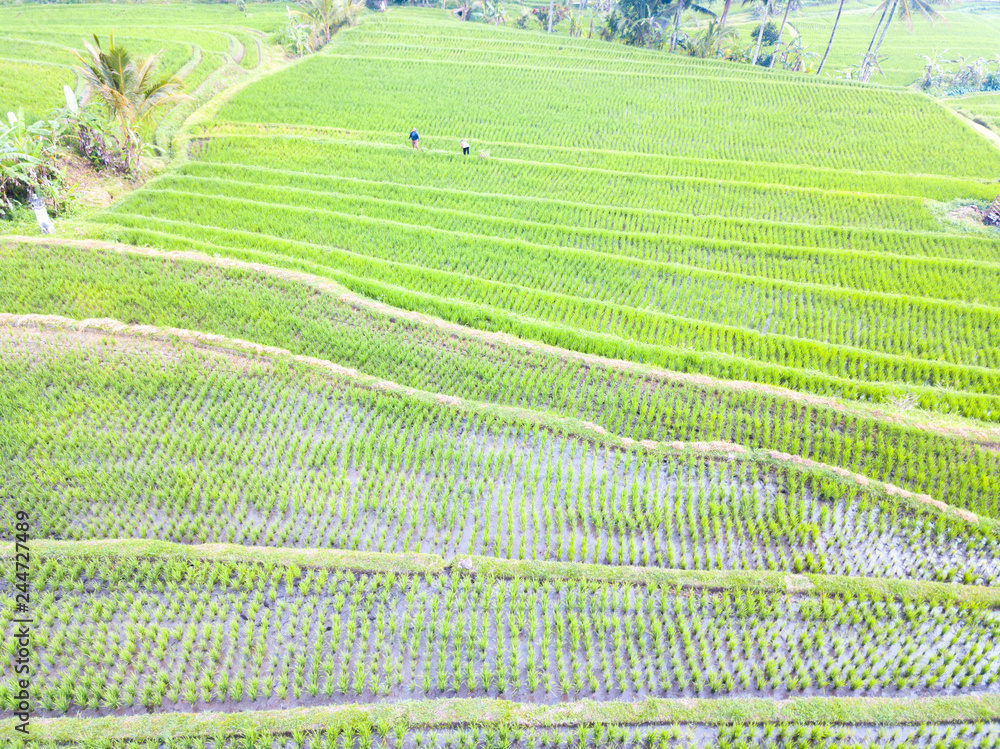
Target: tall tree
{"points": [[676, 9], [128, 90], [905, 9], [325, 16], [836, 22], [878, 27], [766, 5], [709, 42], [784, 20], [888, 11], [725, 14]]}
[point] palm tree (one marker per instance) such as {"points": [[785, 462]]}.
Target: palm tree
{"points": [[678, 7], [796, 55], [763, 22], [784, 19], [836, 22], [321, 16], [725, 13], [905, 9], [127, 89], [708, 42], [350, 12], [326, 16]]}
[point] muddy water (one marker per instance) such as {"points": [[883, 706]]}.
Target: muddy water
{"points": [[258, 644], [205, 453]]}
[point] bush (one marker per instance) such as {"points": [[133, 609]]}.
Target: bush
{"points": [[27, 162], [770, 33]]}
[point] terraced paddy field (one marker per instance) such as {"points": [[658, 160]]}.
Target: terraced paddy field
{"points": [[625, 230], [652, 423], [967, 30], [981, 108], [209, 47]]}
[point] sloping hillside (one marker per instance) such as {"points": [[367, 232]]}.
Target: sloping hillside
{"points": [[665, 418]]}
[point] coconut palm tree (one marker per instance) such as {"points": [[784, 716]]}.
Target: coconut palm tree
{"points": [[836, 23], [766, 5], [796, 56], [326, 16], [777, 42], [905, 9], [709, 42], [350, 12], [676, 8], [128, 90], [725, 13]]}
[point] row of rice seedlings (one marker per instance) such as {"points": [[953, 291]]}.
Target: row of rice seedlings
{"points": [[648, 233], [195, 451], [625, 113], [127, 634], [634, 191], [382, 734], [802, 327], [532, 249], [621, 401], [580, 323]]}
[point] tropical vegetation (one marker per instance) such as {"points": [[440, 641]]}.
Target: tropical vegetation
{"points": [[652, 402]]}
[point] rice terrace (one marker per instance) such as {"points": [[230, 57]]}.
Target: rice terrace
{"points": [[459, 374]]}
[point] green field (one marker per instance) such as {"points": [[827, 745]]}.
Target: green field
{"points": [[966, 32], [198, 43], [667, 418], [624, 231], [981, 108]]}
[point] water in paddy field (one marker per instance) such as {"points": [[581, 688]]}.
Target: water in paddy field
{"points": [[239, 637], [263, 459]]}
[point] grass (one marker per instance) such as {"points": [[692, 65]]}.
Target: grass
{"points": [[666, 419], [981, 108], [69, 553], [428, 714], [630, 402], [685, 252], [458, 477]]}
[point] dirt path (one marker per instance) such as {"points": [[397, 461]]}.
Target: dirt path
{"points": [[717, 448], [986, 437], [984, 131]]}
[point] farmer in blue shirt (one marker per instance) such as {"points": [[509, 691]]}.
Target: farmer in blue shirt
{"points": [[415, 139]]}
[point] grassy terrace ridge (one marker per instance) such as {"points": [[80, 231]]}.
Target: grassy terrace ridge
{"points": [[651, 267], [92, 283], [964, 389], [825, 519], [484, 712], [563, 425], [829, 179], [387, 635], [950, 594], [201, 44], [358, 160]]}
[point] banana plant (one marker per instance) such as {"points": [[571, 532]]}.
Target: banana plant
{"points": [[27, 161]]}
